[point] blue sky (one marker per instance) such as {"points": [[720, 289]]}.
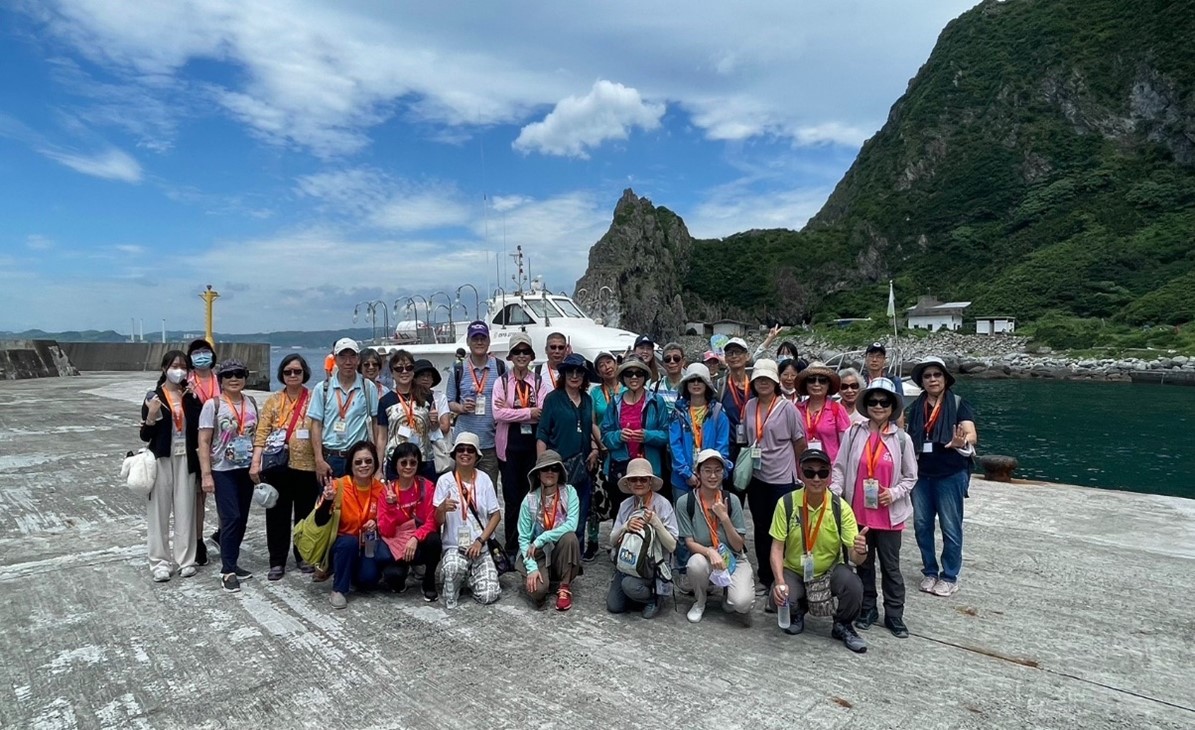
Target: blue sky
{"points": [[305, 156]]}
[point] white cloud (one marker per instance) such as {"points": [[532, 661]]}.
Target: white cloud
{"points": [[734, 209], [372, 197], [38, 242], [112, 164], [422, 211], [609, 111]]}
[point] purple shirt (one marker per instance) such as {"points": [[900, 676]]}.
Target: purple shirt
{"points": [[781, 427]]}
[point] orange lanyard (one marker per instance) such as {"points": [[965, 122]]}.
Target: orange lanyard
{"points": [[176, 410], [549, 515], [811, 423], [710, 520], [466, 497], [551, 377], [734, 393], [871, 453], [288, 410], [407, 406], [759, 423], [932, 418], [407, 508], [697, 416], [207, 392], [240, 415], [479, 384], [342, 405], [810, 539], [523, 392]]}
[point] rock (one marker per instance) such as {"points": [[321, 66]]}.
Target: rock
{"points": [[998, 468], [971, 366], [1180, 359]]}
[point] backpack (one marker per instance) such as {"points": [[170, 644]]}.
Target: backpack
{"points": [[835, 506], [459, 368], [640, 555]]}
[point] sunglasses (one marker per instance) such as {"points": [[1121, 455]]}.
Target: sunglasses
{"points": [[815, 473], [403, 369], [469, 450], [238, 374], [638, 480], [371, 364], [878, 403], [522, 353], [574, 373], [817, 380], [634, 374], [292, 371], [408, 463], [362, 462], [674, 358], [849, 386], [557, 347], [934, 374]]}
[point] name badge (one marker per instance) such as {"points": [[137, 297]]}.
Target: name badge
{"points": [[871, 493], [807, 567], [338, 427], [405, 432], [464, 538], [756, 455], [525, 429], [815, 444], [927, 447], [302, 433], [178, 447], [740, 434], [479, 406]]}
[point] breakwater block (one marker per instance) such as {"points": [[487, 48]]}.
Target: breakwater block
{"points": [[22, 359], [998, 468]]}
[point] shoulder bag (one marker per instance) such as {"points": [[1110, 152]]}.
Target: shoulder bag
{"points": [[276, 454], [314, 542]]}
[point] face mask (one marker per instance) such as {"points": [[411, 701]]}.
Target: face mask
{"points": [[202, 359], [176, 375]]}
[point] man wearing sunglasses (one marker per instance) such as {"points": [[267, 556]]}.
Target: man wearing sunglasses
{"points": [[549, 372], [809, 546]]}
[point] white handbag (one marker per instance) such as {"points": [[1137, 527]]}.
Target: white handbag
{"points": [[140, 471]]}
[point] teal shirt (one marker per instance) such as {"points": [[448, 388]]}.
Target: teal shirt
{"points": [[564, 427], [531, 530]]}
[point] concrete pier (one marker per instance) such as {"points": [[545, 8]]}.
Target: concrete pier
{"points": [[1075, 611]]}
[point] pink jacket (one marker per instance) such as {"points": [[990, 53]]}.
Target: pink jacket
{"points": [[506, 408], [904, 464]]}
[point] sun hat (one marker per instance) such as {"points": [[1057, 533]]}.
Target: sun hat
{"points": [[880, 385], [876, 347], [815, 455], [818, 368], [736, 342], [422, 366], [572, 362], [919, 371], [696, 371], [633, 364], [345, 343], [545, 460], [639, 468], [477, 327], [519, 338], [766, 368], [706, 454], [265, 495], [466, 439], [227, 366]]}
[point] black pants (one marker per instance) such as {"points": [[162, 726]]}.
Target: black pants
{"points": [[762, 498], [887, 544], [514, 488], [427, 554], [297, 491], [618, 470], [666, 475], [234, 493]]}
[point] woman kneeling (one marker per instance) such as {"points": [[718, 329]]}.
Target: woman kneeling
{"points": [[357, 553], [548, 547], [407, 522], [644, 539]]}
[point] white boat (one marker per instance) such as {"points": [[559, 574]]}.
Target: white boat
{"points": [[536, 312]]}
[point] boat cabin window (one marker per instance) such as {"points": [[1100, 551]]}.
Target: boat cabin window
{"points": [[512, 314], [541, 308], [566, 306]]}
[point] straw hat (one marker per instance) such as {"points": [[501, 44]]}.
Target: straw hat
{"points": [[818, 368], [545, 460], [881, 385], [766, 368], [919, 371], [639, 468]]}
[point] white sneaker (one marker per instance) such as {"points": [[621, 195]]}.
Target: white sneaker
{"points": [[945, 588], [188, 571], [928, 583], [338, 600], [695, 613], [161, 575]]}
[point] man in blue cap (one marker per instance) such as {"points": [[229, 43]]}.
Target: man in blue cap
{"points": [[471, 395]]}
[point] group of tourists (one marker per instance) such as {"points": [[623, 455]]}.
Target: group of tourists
{"points": [[386, 481]]}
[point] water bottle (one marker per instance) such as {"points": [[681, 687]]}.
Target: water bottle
{"points": [[450, 596], [783, 611]]}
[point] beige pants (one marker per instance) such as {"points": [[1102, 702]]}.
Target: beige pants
{"points": [[565, 560], [740, 597], [174, 491]]}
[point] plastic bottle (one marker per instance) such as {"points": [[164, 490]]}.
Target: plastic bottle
{"points": [[783, 612]]}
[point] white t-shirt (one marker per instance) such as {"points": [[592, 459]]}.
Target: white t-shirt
{"points": [[485, 501]]}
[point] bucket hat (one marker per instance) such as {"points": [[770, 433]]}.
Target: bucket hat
{"points": [[467, 439], [766, 368], [919, 371], [633, 364], [519, 338], [696, 371], [264, 495], [545, 460], [818, 368], [880, 385], [639, 468], [422, 366]]}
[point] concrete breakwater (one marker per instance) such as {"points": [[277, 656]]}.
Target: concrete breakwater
{"points": [[23, 359], [147, 357]]}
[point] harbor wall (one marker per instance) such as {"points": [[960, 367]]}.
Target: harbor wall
{"points": [[147, 357], [22, 359]]}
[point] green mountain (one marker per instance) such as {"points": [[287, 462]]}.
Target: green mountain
{"points": [[1041, 163]]}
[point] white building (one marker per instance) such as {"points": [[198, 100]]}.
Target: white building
{"points": [[995, 325], [932, 315]]}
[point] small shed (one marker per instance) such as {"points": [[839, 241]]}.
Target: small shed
{"points": [[932, 315], [995, 325], [730, 328], [701, 329]]}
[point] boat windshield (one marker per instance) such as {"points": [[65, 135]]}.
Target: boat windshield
{"points": [[565, 305], [541, 308]]}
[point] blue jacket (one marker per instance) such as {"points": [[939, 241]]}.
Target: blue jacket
{"points": [[715, 434], [655, 426]]}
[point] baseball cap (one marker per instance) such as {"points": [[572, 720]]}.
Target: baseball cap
{"points": [[710, 355], [477, 327], [815, 455], [345, 343], [644, 340], [736, 341], [877, 347]]}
